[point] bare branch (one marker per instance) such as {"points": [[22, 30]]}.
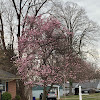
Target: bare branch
{"points": [[15, 8]]}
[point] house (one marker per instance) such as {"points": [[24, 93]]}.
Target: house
{"points": [[92, 84], [67, 88], [87, 85], [8, 83], [37, 90]]}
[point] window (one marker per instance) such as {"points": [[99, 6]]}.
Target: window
{"points": [[2, 86]]}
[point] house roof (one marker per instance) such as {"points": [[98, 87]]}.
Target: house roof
{"points": [[93, 84], [74, 85], [4, 75], [86, 85]]}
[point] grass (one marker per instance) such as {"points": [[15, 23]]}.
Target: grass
{"points": [[95, 96]]}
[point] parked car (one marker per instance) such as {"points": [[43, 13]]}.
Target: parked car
{"points": [[85, 91], [97, 91], [88, 91], [50, 96]]}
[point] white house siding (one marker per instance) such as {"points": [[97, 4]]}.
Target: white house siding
{"points": [[98, 87], [36, 93], [61, 92], [67, 91]]}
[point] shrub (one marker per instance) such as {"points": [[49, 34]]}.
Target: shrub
{"points": [[91, 91], [6, 96], [17, 97]]}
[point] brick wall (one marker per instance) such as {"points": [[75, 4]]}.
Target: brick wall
{"points": [[12, 88]]}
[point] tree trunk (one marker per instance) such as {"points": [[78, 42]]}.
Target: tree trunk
{"points": [[2, 32], [44, 94], [29, 94], [64, 87], [21, 90], [70, 88]]}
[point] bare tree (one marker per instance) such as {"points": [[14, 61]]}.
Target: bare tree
{"points": [[74, 18], [6, 19], [23, 8], [10, 26]]}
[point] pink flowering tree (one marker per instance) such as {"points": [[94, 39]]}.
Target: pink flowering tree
{"points": [[47, 55], [78, 71], [75, 69], [38, 46]]}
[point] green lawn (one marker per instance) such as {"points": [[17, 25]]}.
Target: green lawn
{"points": [[95, 96]]}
